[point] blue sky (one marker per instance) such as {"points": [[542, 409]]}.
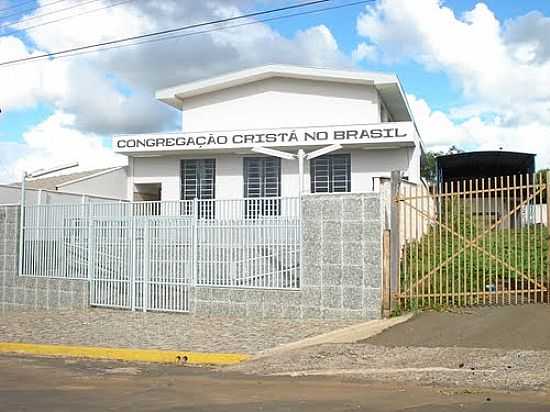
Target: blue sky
{"points": [[445, 71]]}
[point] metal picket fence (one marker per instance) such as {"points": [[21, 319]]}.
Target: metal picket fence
{"points": [[146, 255], [475, 242]]}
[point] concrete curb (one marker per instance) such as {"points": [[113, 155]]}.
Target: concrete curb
{"points": [[350, 334], [124, 354]]}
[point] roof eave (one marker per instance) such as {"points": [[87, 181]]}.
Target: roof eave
{"points": [[175, 95]]}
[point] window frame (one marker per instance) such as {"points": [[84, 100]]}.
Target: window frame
{"points": [[330, 178], [263, 206], [206, 209]]}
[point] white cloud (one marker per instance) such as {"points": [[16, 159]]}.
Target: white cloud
{"points": [[364, 51], [113, 91], [100, 94], [439, 132], [55, 141], [503, 70], [529, 37], [24, 86]]}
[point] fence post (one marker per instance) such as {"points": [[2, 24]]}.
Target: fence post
{"points": [[195, 240], [91, 256], [146, 265], [132, 259], [393, 286], [548, 232], [386, 304], [21, 226], [91, 244]]}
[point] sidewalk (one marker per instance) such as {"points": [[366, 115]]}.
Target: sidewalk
{"points": [[121, 329]]}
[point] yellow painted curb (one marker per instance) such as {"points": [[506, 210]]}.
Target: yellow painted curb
{"points": [[122, 354]]}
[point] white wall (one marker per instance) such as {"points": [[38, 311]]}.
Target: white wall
{"points": [[112, 184], [279, 102], [365, 165], [12, 195]]}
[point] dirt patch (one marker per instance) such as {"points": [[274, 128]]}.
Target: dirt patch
{"points": [[507, 327], [503, 348]]}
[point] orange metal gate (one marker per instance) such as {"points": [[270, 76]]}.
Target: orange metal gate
{"points": [[472, 242]]}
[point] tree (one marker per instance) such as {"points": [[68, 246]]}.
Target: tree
{"points": [[428, 163]]}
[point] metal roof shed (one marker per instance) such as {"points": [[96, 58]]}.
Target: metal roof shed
{"points": [[479, 165]]}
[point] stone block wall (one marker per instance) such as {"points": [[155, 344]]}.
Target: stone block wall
{"points": [[26, 293], [342, 267], [340, 280]]}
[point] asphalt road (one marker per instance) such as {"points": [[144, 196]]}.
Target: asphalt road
{"points": [[497, 327], [40, 384]]}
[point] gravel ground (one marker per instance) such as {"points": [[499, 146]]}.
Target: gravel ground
{"points": [[447, 367], [101, 327]]}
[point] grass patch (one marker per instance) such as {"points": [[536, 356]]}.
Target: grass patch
{"points": [[452, 265]]}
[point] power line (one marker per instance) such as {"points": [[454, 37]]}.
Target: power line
{"points": [[37, 16], [29, 28], [178, 36], [29, 9], [163, 32]]}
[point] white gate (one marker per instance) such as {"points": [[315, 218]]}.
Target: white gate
{"points": [[141, 263], [148, 255]]}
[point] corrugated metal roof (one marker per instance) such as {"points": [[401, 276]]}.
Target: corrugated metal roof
{"points": [[484, 164]]}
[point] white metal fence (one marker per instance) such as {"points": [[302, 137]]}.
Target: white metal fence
{"points": [[146, 255]]}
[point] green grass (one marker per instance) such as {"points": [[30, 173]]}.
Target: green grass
{"points": [[473, 269]]}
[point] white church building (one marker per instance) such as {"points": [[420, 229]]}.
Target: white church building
{"points": [[272, 131]]}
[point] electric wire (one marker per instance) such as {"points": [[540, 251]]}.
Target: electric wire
{"points": [[166, 33], [30, 28]]}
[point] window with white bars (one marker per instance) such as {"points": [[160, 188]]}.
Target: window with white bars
{"points": [[198, 181], [262, 178], [331, 173]]}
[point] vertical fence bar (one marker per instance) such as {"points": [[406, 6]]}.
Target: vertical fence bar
{"points": [[446, 207], [133, 263], [386, 308], [475, 222], [500, 239], [472, 250], [427, 236], [91, 258], [547, 203], [411, 242], [195, 249], [403, 282], [540, 225], [394, 221], [528, 184], [417, 236], [453, 235], [146, 266], [516, 228], [485, 222], [465, 245], [509, 208], [439, 261]]}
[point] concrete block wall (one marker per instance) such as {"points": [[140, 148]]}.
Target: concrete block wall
{"points": [[340, 280], [26, 293], [342, 267]]}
